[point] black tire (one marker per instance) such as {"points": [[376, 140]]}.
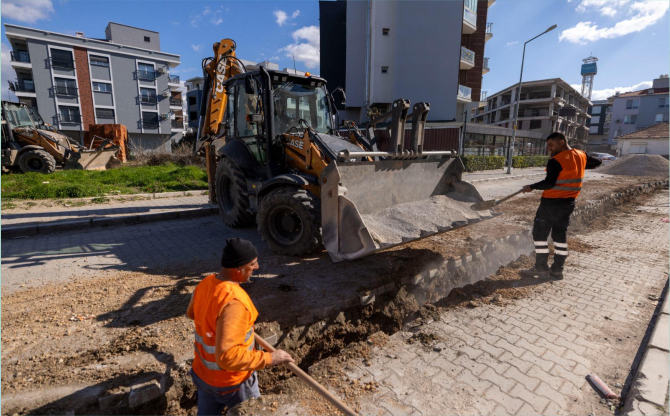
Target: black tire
{"points": [[37, 161], [289, 220], [231, 194]]}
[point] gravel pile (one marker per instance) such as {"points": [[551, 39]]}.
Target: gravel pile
{"points": [[637, 165], [413, 220]]}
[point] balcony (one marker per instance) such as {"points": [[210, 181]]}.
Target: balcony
{"points": [[173, 79], [20, 59], [146, 75], [65, 91], [62, 63], [464, 94], [482, 95], [467, 58], [175, 102], [69, 118], [489, 31], [149, 100], [150, 124], [469, 21], [485, 66], [177, 124], [22, 87]]}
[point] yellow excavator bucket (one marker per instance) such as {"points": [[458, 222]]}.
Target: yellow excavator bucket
{"points": [[97, 159]]}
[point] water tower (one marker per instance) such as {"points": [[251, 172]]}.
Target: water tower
{"points": [[589, 70]]}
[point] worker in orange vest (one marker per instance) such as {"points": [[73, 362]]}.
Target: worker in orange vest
{"points": [[561, 187], [226, 360]]}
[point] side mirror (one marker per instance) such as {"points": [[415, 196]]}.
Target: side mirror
{"points": [[248, 85]]}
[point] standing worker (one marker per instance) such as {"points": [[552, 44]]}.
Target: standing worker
{"points": [[565, 173], [225, 362]]}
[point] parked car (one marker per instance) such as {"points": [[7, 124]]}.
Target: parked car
{"points": [[605, 157]]}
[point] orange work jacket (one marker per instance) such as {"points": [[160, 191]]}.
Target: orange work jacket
{"points": [[569, 182], [210, 297]]}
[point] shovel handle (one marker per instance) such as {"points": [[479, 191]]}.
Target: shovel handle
{"points": [[509, 196]]}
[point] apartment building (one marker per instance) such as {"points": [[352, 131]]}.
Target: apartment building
{"points": [[431, 51], [546, 106], [632, 111], [75, 81], [598, 127]]}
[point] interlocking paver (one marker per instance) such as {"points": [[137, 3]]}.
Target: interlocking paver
{"points": [[529, 382], [537, 402]]}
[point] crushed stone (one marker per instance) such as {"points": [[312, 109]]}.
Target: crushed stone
{"points": [[637, 165]]}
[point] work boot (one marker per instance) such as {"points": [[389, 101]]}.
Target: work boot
{"points": [[541, 268], [556, 274], [557, 267]]}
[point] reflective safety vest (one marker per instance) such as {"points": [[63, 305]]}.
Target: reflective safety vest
{"points": [[569, 182], [210, 297]]}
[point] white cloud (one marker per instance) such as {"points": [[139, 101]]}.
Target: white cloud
{"points": [[8, 73], [604, 7], [175, 23], [206, 11], [608, 92], [273, 58], [511, 43], [27, 11], [196, 48], [282, 18], [306, 52], [644, 14], [214, 17]]}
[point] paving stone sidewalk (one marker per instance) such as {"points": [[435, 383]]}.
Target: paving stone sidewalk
{"points": [[532, 357]]}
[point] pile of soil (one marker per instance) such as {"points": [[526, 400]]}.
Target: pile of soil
{"points": [[637, 165]]}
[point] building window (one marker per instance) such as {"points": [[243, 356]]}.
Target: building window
{"points": [[630, 119], [69, 115], [632, 104], [147, 96], [192, 101], [385, 69], [636, 148], [147, 39], [535, 124], [471, 4], [596, 110], [104, 113], [66, 87], [595, 119], [193, 116], [663, 102], [146, 72], [102, 87], [149, 120], [660, 118], [593, 130], [385, 31], [99, 61], [61, 59]]}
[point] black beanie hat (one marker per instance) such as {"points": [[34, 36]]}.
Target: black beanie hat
{"points": [[237, 253]]}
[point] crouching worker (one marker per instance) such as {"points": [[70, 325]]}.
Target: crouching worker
{"points": [[226, 360]]}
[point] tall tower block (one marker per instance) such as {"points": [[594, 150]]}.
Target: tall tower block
{"points": [[589, 70]]}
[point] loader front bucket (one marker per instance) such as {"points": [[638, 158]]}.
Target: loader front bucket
{"points": [[91, 159], [371, 206]]}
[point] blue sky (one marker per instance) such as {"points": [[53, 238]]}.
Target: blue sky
{"points": [[631, 38]]}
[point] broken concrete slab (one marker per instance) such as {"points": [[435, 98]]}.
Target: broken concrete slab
{"points": [[143, 393], [660, 338], [651, 381], [109, 402]]}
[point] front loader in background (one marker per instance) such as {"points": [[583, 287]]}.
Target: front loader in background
{"points": [[275, 156], [31, 145]]}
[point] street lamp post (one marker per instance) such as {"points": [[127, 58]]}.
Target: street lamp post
{"points": [[510, 151]]}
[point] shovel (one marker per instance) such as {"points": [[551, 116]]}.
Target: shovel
{"points": [[480, 206]]}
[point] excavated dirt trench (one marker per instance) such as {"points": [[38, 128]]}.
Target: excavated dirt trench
{"points": [[71, 361]]}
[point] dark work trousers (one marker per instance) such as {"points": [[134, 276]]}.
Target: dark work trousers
{"points": [[553, 216]]}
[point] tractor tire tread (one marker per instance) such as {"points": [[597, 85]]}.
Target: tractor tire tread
{"points": [[49, 161], [240, 215]]}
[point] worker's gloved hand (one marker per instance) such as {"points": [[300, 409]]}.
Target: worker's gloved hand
{"points": [[527, 189], [281, 357]]}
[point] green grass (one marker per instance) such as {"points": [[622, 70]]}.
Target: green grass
{"points": [[85, 183]]}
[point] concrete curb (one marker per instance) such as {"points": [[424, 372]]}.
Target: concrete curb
{"points": [[649, 390], [502, 178], [438, 281], [157, 195], [16, 231]]}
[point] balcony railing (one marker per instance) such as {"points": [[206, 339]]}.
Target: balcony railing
{"points": [[146, 75], [177, 124], [21, 87], [482, 95], [470, 16], [464, 92], [66, 91], [485, 65], [175, 102], [467, 55], [69, 118], [150, 124], [20, 56], [62, 63], [489, 28], [173, 79], [148, 100]]}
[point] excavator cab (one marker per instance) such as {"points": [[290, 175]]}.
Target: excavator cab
{"points": [[275, 158]]}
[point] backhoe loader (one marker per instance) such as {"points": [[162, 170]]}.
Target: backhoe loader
{"points": [[274, 156], [33, 146]]}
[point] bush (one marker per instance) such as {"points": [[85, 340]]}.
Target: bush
{"points": [[476, 163]]}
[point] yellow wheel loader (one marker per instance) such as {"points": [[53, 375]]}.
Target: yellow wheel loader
{"points": [[31, 145], [274, 156]]}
